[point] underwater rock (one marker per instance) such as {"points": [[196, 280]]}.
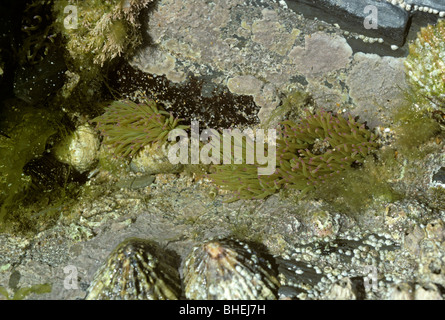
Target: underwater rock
{"points": [[430, 6], [439, 177], [350, 15], [136, 269], [228, 269], [428, 291], [261, 51], [324, 224], [322, 53], [375, 100], [136, 182], [412, 240]]}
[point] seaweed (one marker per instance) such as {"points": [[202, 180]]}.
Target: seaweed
{"points": [[425, 66], [22, 293]]}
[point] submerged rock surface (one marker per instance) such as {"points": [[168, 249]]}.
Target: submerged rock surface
{"points": [[245, 57]]}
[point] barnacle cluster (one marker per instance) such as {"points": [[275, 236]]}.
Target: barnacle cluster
{"points": [[425, 65], [128, 126], [308, 152]]}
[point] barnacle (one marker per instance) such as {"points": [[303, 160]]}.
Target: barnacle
{"points": [[128, 126], [308, 152]]}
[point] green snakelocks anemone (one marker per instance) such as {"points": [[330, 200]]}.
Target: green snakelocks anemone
{"points": [[243, 178], [128, 126], [308, 152], [320, 146]]}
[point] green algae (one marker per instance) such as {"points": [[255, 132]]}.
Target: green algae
{"points": [[34, 186], [422, 117], [29, 131], [22, 293], [414, 125], [356, 190], [425, 66]]}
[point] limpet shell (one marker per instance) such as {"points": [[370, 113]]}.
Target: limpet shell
{"points": [[137, 269], [228, 269]]}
